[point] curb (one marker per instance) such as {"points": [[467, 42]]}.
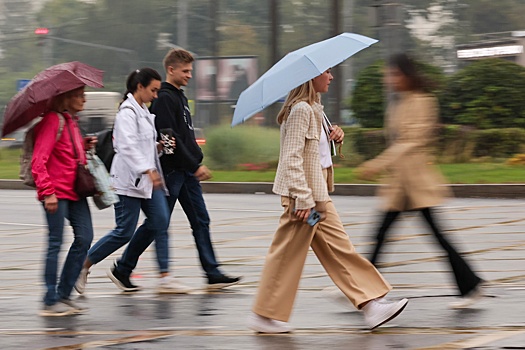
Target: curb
{"points": [[506, 191]]}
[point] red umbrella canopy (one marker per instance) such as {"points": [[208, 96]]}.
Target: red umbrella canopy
{"points": [[33, 100]]}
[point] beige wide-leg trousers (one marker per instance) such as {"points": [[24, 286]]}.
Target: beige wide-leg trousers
{"points": [[357, 278]]}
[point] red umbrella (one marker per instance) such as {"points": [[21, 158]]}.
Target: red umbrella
{"points": [[33, 100]]}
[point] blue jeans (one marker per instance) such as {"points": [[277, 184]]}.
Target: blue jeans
{"points": [[155, 227], [184, 187], [127, 212], [79, 217]]}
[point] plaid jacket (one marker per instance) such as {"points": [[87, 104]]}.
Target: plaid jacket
{"points": [[299, 173]]}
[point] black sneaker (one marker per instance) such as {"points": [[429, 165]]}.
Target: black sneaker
{"points": [[121, 280], [222, 281]]}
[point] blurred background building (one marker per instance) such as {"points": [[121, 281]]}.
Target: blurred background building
{"points": [[118, 36]]}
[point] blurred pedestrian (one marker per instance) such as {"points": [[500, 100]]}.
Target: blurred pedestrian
{"points": [[412, 181], [58, 147], [183, 170], [304, 178], [137, 179]]}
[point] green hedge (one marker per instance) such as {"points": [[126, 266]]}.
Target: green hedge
{"points": [[455, 143], [257, 148], [242, 147]]}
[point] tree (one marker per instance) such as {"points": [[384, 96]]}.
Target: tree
{"points": [[368, 98], [486, 94]]}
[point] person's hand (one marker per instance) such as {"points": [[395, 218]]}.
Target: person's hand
{"points": [[90, 142], [51, 204], [336, 134], [203, 173], [155, 178], [302, 214]]}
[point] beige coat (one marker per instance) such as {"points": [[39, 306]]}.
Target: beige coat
{"points": [[299, 174], [412, 180]]}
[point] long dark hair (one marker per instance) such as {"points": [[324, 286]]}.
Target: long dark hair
{"points": [[142, 76], [410, 68]]}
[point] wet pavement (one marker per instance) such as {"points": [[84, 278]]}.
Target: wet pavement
{"points": [[488, 231]]}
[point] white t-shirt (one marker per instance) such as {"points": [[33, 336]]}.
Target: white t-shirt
{"points": [[324, 148]]}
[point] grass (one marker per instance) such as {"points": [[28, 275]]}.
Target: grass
{"points": [[468, 173]]}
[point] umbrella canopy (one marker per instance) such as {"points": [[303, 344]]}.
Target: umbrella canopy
{"points": [[32, 101], [296, 68]]}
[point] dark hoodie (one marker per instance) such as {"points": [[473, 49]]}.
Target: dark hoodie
{"points": [[172, 112]]}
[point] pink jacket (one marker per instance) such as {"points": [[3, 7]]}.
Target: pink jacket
{"points": [[54, 165]]}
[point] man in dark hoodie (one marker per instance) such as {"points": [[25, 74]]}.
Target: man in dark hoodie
{"points": [[183, 170]]}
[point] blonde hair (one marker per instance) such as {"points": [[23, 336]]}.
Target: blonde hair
{"points": [[175, 57], [304, 92]]}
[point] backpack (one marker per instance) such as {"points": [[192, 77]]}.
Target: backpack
{"points": [[26, 173], [104, 148]]}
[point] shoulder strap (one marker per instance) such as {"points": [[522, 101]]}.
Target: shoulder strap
{"points": [[73, 143], [61, 122]]}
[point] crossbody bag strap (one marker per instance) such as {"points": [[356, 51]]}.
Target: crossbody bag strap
{"points": [[73, 142]]}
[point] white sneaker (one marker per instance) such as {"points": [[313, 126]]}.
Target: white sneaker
{"points": [[267, 325], [80, 285], [77, 308], [172, 286], [380, 311], [468, 300], [57, 309]]}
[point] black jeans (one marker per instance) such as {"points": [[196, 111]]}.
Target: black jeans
{"points": [[466, 279]]}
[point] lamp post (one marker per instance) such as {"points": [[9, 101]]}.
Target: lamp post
{"points": [[387, 19], [337, 71]]}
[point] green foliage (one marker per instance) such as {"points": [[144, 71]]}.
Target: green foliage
{"points": [[369, 142], [498, 143], [368, 96], [227, 148], [455, 144], [486, 94]]}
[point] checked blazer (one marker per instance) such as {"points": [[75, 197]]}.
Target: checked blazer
{"points": [[299, 174]]}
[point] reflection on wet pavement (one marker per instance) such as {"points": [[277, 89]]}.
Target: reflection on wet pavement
{"points": [[488, 232]]}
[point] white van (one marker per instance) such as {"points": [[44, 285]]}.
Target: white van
{"points": [[99, 111]]}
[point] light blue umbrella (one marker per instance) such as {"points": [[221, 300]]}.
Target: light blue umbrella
{"points": [[296, 68]]}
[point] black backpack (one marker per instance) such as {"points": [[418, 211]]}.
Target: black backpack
{"points": [[104, 148]]}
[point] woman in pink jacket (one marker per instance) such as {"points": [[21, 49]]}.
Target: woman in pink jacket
{"points": [[58, 143]]}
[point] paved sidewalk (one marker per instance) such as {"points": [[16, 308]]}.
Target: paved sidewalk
{"points": [[488, 231]]}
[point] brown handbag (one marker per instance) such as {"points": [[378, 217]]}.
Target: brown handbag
{"points": [[84, 182]]}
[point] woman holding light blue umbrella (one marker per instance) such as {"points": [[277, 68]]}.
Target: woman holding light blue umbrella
{"points": [[304, 179]]}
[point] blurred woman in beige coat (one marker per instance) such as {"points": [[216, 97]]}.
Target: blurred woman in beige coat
{"points": [[303, 179], [412, 182]]}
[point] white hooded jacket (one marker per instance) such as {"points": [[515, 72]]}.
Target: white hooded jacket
{"points": [[135, 144]]}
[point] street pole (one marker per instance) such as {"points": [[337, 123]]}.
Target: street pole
{"points": [[336, 71], [214, 9], [274, 32], [182, 23], [348, 23], [271, 113], [387, 20]]}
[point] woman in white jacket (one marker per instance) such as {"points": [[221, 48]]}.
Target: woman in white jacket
{"points": [[136, 175]]}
